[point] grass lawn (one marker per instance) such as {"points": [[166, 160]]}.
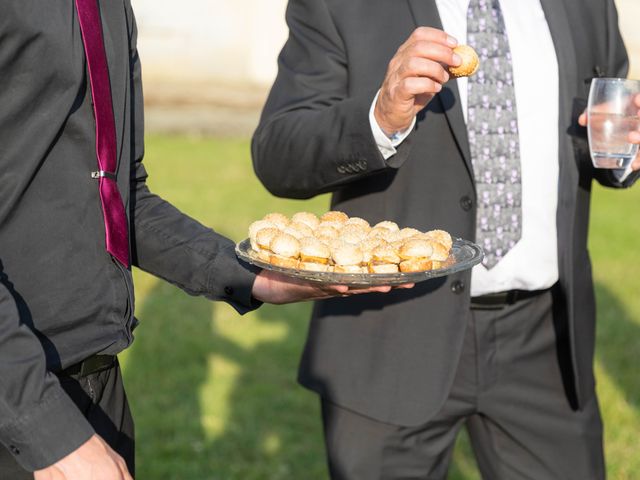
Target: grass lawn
{"points": [[214, 394]]}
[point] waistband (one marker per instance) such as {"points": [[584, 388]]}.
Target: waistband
{"points": [[498, 300], [93, 364]]}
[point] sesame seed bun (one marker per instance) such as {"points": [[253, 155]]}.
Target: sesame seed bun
{"points": [[358, 221], [284, 262], [313, 250], [334, 216], [346, 254], [440, 236], [280, 220], [385, 254], [383, 268], [264, 237], [285, 245], [392, 226], [416, 248], [416, 265], [308, 218], [313, 266]]}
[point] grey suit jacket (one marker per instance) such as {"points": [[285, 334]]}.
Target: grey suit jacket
{"points": [[393, 357]]}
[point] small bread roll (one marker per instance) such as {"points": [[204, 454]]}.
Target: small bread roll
{"points": [[383, 268], [440, 252], [285, 245], [353, 233], [384, 254], [392, 226], [280, 220], [334, 217], [440, 236], [346, 254], [470, 62], [349, 269], [302, 228], [313, 266], [254, 228], [416, 248], [264, 237], [284, 262], [379, 232], [308, 218], [416, 265], [408, 233], [313, 250], [358, 221], [368, 245]]}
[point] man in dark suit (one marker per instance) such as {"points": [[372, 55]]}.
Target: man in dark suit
{"points": [[75, 214], [363, 107]]}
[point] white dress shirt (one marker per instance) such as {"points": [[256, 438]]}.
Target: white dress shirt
{"points": [[532, 263]]}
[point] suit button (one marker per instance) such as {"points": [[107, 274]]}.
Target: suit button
{"points": [[15, 450], [466, 203], [457, 287], [228, 290], [349, 168], [341, 169], [363, 165]]}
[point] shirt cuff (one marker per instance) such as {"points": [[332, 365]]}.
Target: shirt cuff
{"points": [[387, 145], [231, 280], [48, 433]]}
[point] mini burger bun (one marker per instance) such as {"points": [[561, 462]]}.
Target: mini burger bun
{"points": [[383, 268], [416, 265], [334, 216]]}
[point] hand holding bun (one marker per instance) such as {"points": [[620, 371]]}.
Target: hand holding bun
{"points": [[470, 62]]}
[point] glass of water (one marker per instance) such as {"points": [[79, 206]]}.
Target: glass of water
{"points": [[612, 114]]}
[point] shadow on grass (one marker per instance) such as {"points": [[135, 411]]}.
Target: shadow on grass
{"points": [[618, 344], [271, 427]]}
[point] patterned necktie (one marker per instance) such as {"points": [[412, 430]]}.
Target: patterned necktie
{"points": [[492, 123], [115, 218]]}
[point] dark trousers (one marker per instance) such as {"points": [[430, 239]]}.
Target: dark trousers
{"points": [[102, 399], [508, 392]]}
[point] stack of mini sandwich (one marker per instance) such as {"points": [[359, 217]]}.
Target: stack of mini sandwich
{"points": [[338, 243]]}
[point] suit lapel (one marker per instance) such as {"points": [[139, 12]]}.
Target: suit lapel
{"points": [[425, 13], [558, 20]]}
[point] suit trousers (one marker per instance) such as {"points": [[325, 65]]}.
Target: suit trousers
{"points": [[508, 392], [102, 399]]}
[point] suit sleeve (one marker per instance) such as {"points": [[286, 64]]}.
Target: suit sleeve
{"points": [[313, 137], [618, 66], [39, 423], [171, 245]]}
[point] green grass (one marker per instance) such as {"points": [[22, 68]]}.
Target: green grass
{"points": [[214, 394]]}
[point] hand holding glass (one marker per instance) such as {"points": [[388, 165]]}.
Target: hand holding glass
{"points": [[612, 114]]}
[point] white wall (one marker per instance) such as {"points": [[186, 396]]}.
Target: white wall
{"points": [[236, 42], [208, 40]]}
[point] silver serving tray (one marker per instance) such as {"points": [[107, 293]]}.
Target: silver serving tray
{"points": [[463, 256]]}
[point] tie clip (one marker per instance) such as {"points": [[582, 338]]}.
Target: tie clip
{"points": [[102, 173]]}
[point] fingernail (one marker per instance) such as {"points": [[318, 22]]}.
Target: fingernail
{"points": [[457, 59], [438, 87], [451, 41]]}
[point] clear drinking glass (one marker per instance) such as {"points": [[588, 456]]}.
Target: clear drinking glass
{"points": [[612, 114]]}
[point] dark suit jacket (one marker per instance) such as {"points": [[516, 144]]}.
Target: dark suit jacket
{"points": [[393, 357]]}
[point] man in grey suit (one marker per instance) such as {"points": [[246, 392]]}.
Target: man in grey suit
{"points": [[363, 107]]}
